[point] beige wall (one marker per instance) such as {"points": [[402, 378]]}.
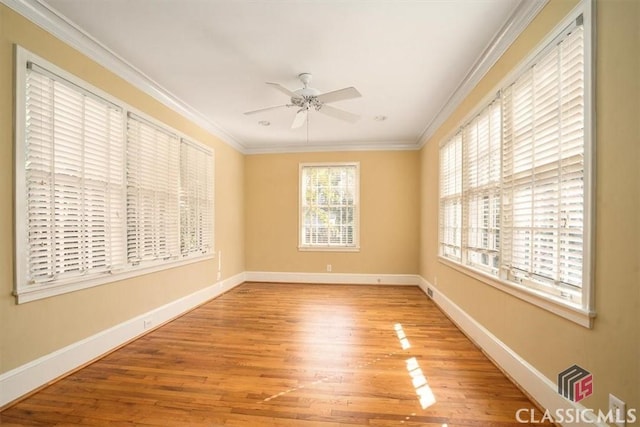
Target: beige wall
{"points": [[611, 350], [389, 224], [34, 329]]}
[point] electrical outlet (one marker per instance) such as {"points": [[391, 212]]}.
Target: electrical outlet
{"points": [[619, 410], [147, 323], [328, 268], [430, 292]]}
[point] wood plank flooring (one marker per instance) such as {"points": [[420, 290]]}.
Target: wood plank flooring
{"points": [[289, 355]]}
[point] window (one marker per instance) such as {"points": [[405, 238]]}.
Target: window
{"points": [[481, 188], [513, 198], [329, 206], [472, 191], [543, 171], [153, 191], [196, 199], [73, 170], [451, 198], [102, 193]]}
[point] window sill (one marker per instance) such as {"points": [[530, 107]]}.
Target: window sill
{"points": [[25, 294], [328, 249], [558, 307]]}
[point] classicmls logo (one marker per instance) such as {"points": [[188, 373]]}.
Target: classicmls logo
{"points": [[575, 383]]}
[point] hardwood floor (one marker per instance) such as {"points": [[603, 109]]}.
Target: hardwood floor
{"points": [[289, 355]]}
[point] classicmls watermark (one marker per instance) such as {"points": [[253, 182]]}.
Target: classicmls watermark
{"points": [[573, 415], [574, 384]]}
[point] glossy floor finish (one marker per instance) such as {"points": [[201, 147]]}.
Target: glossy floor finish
{"points": [[289, 355]]}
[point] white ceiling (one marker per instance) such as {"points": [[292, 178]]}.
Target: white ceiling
{"points": [[407, 59]]}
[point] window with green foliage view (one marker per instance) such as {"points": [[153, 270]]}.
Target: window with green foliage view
{"points": [[329, 206]]}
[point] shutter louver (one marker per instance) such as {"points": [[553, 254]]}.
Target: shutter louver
{"points": [[451, 198], [519, 213], [153, 162], [196, 199], [74, 202], [481, 188], [543, 155], [98, 188]]}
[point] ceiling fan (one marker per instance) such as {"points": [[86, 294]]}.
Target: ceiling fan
{"points": [[307, 98]]}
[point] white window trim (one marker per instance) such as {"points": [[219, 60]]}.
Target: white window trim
{"points": [[585, 313], [543, 300], [319, 248], [21, 291]]}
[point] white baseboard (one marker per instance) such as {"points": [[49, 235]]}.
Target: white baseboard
{"points": [[28, 377], [333, 278], [532, 381]]}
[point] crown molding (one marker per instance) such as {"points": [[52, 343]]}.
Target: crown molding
{"points": [[333, 146], [53, 22], [519, 20]]}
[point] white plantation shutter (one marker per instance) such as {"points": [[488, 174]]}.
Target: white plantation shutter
{"points": [[451, 198], [543, 171], [74, 173], [101, 193], [153, 191], [481, 188], [329, 205], [514, 180], [196, 199]]}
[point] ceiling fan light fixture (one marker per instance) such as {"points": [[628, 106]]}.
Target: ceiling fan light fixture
{"points": [[308, 98]]}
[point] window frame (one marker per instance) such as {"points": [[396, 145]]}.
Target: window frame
{"points": [[23, 291], [584, 312], [355, 247]]}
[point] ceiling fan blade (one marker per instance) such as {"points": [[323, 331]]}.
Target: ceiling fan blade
{"points": [[299, 119], [339, 114], [284, 90], [266, 109], [339, 95]]}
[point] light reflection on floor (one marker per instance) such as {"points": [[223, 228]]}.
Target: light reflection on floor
{"points": [[404, 341], [424, 392], [419, 381]]}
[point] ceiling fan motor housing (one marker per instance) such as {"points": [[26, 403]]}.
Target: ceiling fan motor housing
{"points": [[307, 94]]}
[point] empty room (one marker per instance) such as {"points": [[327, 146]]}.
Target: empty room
{"points": [[320, 213]]}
